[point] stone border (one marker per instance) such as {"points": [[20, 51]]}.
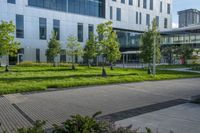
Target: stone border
{"points": [[23, 114], [141, 110]]}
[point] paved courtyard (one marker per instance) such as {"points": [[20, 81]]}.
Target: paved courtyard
{"points": [[117, 102]]}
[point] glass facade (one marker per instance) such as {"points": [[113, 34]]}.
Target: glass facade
{"points": [[128, 39], [85, 7], [19, 26]]}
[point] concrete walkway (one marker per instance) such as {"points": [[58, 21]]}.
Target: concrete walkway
{"points": [[182, 70], [184, 118], [18, 110]]}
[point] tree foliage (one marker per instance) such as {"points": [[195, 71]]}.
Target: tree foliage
{"points": [[169, 53], [147, 44], [91, 48], [108, 42], [54, 48], [8, 45], [74, 49], [185, 52]]}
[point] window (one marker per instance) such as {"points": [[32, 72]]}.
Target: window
{"points": [[138, 3], [140, 18], [123, 1], [147, 19], [118, 14], [157, 21], [37, 55], [151, 4], [11, 1], [19, 26], [168, 8], [136, 18], [80, 32], [130, 2], [90, 30], [111, 12], [43, 28], [165, 23], [160, 6], [145, 4], [85, 7], [56, 28]]}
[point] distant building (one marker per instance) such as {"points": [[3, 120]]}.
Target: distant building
{"points": [[189, 17]]}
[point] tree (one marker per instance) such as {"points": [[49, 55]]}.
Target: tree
{"points": [[74, 49], [54, 48], [168, 52], [113, 53], [185, 52], [109, 46], [147, 45], [8, 46], [91, 48]]}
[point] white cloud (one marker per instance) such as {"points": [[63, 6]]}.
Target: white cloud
{"points": [[174, 25]]}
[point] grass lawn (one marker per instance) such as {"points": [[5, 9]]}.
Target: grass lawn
{"points": [[23, 79]]}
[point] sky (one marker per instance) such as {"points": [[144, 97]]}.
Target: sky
{"points": [[179, 5]]}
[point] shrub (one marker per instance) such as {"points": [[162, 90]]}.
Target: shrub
{"points": [[81, 124]]}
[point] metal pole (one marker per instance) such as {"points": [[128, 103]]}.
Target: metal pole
{"points": [[154, 57]]}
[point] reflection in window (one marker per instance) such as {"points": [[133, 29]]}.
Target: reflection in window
{"points": [[56, 28], [128, 39], [80, 32], [19, 26], [43, 28], [85, 7]]}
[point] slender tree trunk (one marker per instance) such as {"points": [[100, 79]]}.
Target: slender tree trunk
{"points": [[111, 66], [149, 68], [54, 64], [97, 61], [89, 63], [104, 74], [7, 64], [73, 66]]}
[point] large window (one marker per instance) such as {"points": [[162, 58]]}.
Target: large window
{"points": [[128, 39], [151, 4], [147, 19], [145, 4], [136, 18], [56, 28], [43, 28], [168, 8], [165, 23], [84, 7], [140, 18], [111, 12], [90, 30], [118, 14], [37, 55], [11, 1], [160, 6], [80, 32], [19, 26]]}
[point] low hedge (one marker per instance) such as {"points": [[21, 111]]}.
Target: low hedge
{"points": [[32, 64]]}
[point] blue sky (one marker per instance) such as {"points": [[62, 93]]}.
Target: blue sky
{"points": [[181, 5]]}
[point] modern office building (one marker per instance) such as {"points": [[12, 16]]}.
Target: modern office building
{"points": [[182, 36], [36, 19], [189, 17]]}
